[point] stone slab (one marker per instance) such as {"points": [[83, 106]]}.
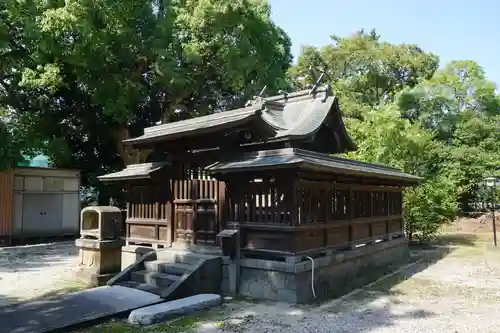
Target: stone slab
{"points": [[59, 312], [158, 313]]}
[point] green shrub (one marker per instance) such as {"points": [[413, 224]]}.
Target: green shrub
{"points": [[429, 206]]}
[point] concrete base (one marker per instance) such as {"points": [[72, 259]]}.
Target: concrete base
{"points": [[158, 313], [201, 249], [99, 260], [334, 274], [131, 253], [93, 279]]}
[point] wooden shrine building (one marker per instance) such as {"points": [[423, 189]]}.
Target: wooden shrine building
{"points": [[268, 167]]}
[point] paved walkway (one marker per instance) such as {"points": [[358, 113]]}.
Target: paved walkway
{"points": [[58, 312]]}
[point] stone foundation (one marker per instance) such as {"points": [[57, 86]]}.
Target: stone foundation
{"points": [[99, 260], [131, 253], [334, 274], [93, 279]]}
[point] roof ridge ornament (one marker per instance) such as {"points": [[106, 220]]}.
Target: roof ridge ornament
{"points": [[324, 73], [284, 93], [258, 99], [262, 91]]}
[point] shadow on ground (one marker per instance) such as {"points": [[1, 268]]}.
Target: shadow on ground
{"points": [[364, 312], [420, 257], [65, 311], [457, 239], [372, 308], [72, 287]]}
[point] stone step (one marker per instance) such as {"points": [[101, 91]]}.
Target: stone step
{"points": [[159, 313], [155, 279], [159, 266], [141, 286], [181, 257]]}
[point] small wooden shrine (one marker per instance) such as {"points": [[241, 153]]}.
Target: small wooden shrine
{"points": [[268, 167]]}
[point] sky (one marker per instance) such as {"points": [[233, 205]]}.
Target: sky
{"points": [[454, 30]]}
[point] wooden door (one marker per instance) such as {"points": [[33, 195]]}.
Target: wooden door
{"points": [[197, 211]]}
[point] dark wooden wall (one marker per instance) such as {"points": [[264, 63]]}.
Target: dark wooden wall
{"points": [[149, 213], [286, 214], [299, 215], [187, 209]]}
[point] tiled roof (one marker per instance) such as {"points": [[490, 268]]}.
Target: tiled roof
{"points": [[293, 116], [290, 157], [134, 171]]}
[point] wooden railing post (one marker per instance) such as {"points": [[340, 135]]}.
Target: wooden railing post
{"points": [[350, 211], [294, 209], [371, 209], [388, 211]]}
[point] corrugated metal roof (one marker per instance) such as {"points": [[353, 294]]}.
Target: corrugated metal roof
{"points": [[134, 171], [282, 158]]}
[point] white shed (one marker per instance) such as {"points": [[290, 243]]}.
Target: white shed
{"points": [[46, 202]]}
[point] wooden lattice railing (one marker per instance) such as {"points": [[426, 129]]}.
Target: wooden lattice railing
{"points": [[315, 215]]}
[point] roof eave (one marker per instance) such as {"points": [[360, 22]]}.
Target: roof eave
{"points": [[105, 179], [142, 140], [405, 179], [301, 163], [213, 169]]}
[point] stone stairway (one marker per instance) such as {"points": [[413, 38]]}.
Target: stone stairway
{"points": [[157, 275], [173, 274]]}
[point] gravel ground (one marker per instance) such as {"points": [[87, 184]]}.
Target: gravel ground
{"points": [[31, 271], [460, 293]]}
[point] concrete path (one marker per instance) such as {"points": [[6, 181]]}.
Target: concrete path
{"points": [[58, 312]]}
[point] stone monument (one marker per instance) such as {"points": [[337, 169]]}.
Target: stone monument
{"points": [[100, 244]]}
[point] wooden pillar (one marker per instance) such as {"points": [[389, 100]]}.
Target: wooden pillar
{"points": [[294, 208], [350, 211], [370, 225], [400, 204], [388, 211]]}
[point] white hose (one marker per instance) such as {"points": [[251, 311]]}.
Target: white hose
{"points": [[312, 277]]}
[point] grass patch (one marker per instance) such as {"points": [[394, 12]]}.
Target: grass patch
{"points": [[184, 324]]}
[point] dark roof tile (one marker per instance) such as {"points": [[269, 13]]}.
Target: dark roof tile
{"points": [[289, 157]]}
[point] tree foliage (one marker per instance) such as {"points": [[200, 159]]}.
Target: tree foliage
{"points": [[76, 77], [85, 74], [442, 125]]}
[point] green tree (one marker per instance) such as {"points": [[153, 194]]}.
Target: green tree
{"points": [[461, 106], [84, 74], [457, 93], [384, 137], [372, 78], [364, 70]]}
